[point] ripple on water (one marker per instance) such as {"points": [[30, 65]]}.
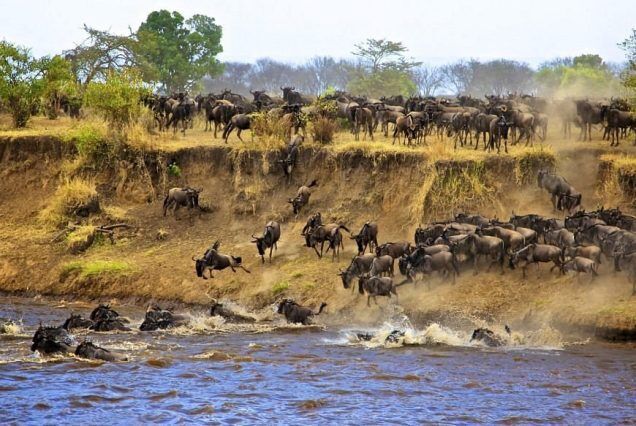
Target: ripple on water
{"points": [[165, 395], [312, 404]]}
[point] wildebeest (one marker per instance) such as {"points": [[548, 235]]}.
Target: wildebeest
{"points": [[270, 237], [239, 122], [489, 337], [302, 196], [363, 118], [103, 312], [219, 309], [213, 260], [359, 266], [498, 129], [76, 321], [580, 264], [512, 239], [558, 186], [290, 155], [109, 324], [296, 314], [329, 233], [368, 236], [419, 261], [626, 262], [589, 114], [591, 252], [50, 340], [382, 265], [376, 286], [475, 245], [88, 350], [535, 253], [559, 237], [160, 319], [181, 197]]}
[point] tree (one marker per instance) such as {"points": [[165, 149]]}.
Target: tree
{"points": [[59, 83], [428, 80], [383, 69], [375, 52], [100, 54], [21, 83], [585, 75], [629, 75], [179, 51], [458, 76], [118, 97]]}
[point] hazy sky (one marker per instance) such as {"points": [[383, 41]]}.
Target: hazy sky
{"points": [[294, 30]]}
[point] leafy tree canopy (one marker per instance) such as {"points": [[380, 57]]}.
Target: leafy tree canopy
{"points": [[179, 51]]}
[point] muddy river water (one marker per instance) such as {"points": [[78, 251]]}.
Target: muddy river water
{"points": [[211, 372]]}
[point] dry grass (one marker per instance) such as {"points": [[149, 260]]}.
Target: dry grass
{"points": [[70, 194]]}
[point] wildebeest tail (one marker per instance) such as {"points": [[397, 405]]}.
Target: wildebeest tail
{"points": [[595, 269], [341, 226], [165, 203], [454, 262], [322, 306], [313, 183]]}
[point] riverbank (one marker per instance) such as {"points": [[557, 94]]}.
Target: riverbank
{"points": [[243, 188]]}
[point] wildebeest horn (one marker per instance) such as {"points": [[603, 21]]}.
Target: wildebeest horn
{"points": [[281, 87], [194, 258]]}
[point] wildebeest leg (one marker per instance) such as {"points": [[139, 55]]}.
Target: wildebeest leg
{"points": [[475, 260], [271, 248], [316, 250], [243, 268], [238, 133], [368, 301]]}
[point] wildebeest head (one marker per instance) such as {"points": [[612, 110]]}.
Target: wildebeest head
{"points": [[296, 203], [347, 277], [199, 266], [359, 238], [260, 246], [285, 305], [404, 264], [76, 321], [540, 176]]}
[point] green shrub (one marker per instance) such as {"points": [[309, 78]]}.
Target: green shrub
{"points": [[280, 287], [94, 268], [118, 99]]}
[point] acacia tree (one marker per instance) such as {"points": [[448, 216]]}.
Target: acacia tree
{"points": [[179, 51], [383, 69], [100, 54], [21, 83], [428, 79]]}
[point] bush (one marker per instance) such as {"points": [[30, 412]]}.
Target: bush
{"points": [[74, 197], [118, 99], [323, 130]]}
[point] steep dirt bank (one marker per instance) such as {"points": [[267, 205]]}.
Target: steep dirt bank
{"points": [[245, 188]]}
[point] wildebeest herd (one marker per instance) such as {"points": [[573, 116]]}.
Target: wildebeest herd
{"points": [[576, 243], [465, 119]]}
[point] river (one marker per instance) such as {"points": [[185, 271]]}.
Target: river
{"points": [[277, 374]]}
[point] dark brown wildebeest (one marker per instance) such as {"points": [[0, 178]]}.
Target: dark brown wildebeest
{"points": [[581, 264], [270, 237], [589, 113], [404, 126], [535, 253], [395, 250], [76, 321], [476, 245], [359, 266], [385, 116], [561, 238], [474, 219], [220, 113], [296, 314], [329, 233], [213, 260], [376, 286], [363, 118], [239, 122], [290, 155], [591, 252], [626, 262], [88, 350], [423, 236], [481, 124], [616, 121], [420, 261], [368, 236], [50, 340], [524, 121], [181, 197], [558, 186], [541, 124], [498, 129], [302, 196], [314, 221]]}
